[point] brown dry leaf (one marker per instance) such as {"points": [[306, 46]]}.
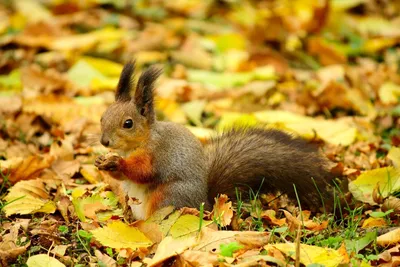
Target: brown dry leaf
{"points": [[46, 82], [210, 240], [10, 104], [65, 206], [26, 169], [105, 259], [65, 168], [390, 257], [170, 247], [390, 238], [327, 53], [9, 250], [391, 203], [91, 209], [222, 211], [199, 258], [292, 221], [269, 215]]}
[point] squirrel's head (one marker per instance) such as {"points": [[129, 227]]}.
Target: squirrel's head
{"points": [[125, 125]]}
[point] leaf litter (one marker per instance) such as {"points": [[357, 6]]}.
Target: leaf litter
{"points": [[326, 71]]}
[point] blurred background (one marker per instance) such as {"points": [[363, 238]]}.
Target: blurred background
{"points": [[326, 70]]}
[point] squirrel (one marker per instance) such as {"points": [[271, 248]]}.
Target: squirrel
{"points": [[162, 163]]}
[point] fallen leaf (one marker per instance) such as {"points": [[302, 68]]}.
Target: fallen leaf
{"points": [[60, 250], [90, 207], [362, 188], [28, 197], [373, 222], [389, 93], [28, 168], [66, 168], [186, 225], [170, 247], [270, 215], [41, 260], [338, 132], [394, 156], [222, 211], [9, 250], [105, 259], [310, 254], [119, 235], [390, 238], [199, 258], [391, 203]]}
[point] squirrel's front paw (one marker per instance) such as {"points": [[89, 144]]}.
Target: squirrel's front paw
{"points": [[108, 162]]}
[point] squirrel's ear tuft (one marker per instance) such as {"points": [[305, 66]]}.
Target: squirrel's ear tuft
{"points": [[144, 94], [125, 82]]}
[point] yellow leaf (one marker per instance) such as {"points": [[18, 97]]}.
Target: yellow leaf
{"points": [[186, 225], [105, 66], [90, 173], [33, 11], [170, 109], [310, 254], [43, 260], [28, 197], [201, 133], [119, 235], [394, 156], [236, 119], [373, 222], [86, 41], [388, 179], [390, 238], [338, 132], [224, 42], [389, 93]]}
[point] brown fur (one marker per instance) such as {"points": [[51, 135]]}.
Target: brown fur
{"points": [[138, 167]]}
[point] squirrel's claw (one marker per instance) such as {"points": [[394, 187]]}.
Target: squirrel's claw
{"points": [[110, 163]]}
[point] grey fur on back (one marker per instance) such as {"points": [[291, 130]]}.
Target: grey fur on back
{"points": [[249, 155], [180, 159]]}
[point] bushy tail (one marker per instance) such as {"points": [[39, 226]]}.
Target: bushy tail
{"points": [[246, 157]]}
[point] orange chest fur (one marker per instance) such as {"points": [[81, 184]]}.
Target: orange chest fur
{"points": [[138, 167]]}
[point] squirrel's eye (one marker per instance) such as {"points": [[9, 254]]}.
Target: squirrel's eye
{"points": [[128, 124]]}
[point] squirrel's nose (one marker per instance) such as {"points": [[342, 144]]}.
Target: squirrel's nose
{"points": [[105, 141]]}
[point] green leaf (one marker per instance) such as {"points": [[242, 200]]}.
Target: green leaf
{"points": [[227, 250], [12, 81], [359, 244], [380, 214], [84, 234], [63, 229]]}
